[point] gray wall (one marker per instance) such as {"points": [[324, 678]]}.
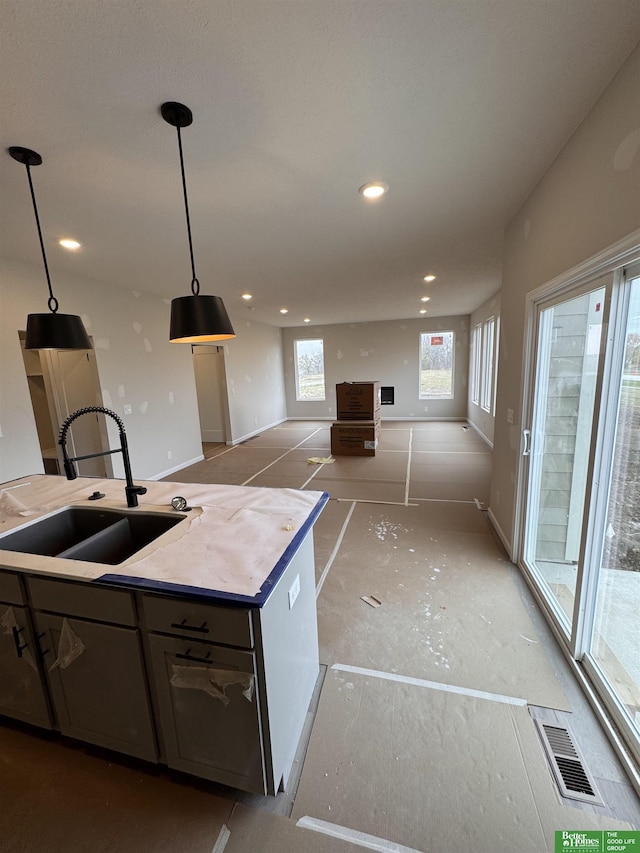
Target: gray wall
{"points": [[386, 351], [484, 422], [586, 201]]}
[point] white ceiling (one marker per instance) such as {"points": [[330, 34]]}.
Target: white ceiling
{"points": [[459, 107]]}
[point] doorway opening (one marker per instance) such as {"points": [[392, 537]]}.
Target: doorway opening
{"points": [[60, 382], [211, 390]]}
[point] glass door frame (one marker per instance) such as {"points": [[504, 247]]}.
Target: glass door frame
{"points": [[573, 629], [587, 276], [597, 516]]}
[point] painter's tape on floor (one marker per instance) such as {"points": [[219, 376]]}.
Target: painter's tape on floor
{"points": [[258, 830], [430, 771], [432, 685], [221, 842], [362, 839]]}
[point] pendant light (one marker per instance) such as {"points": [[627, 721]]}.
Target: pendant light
{"points": [[194, 319], [52, 330]]}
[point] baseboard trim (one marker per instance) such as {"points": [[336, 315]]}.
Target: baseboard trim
{"points": [[414, 419], [480, 433], [258, 431], [501, 534], [173, 470]]}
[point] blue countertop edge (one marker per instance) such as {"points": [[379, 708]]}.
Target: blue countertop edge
{"points": [[258, 600]]}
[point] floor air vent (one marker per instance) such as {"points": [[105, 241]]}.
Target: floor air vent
{"points": [[567, 764]]}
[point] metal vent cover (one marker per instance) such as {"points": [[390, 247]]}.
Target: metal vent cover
{"points": [[567, 764]]}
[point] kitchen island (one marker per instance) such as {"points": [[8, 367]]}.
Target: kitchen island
{"points": [[198, 651]]}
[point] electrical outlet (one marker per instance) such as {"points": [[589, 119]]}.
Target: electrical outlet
{"points": [[169, 454], [509, 416], [127, 409], [294, 591]]}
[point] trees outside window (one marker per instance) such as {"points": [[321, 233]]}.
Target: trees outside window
{"points": [[436, 365], [309, 364]]}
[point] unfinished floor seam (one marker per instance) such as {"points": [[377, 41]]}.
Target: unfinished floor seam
{"points": [[408, 476], [335, 550]]}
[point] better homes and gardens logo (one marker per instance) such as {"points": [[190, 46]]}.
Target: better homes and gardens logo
{"points": [[609, 841]]}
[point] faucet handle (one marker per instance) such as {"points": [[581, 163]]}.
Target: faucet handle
{"points": [[132, 493]]}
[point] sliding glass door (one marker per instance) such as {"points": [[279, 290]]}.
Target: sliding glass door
{"points": [[613, 647], [580, 476], [559, 444]]}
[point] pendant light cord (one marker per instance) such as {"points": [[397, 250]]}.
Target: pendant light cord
{"points": [[195, 284], [53, 302]]}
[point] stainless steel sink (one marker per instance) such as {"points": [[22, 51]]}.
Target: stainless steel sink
{"points": [[93, 534]]}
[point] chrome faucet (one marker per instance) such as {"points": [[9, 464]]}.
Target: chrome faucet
{"points": [[131, 490]]}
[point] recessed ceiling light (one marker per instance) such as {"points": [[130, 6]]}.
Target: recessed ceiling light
{"points": [[284, 310], [307, 320], [247, 296], [423, 310], [425, 298], [67, 243], [429, 277], [373, 190]]}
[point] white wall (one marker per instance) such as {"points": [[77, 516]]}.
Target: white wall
{"points": [[255, 381], [483, 421], [587, 200], [136, 363], [137, 366], [387, 351]]}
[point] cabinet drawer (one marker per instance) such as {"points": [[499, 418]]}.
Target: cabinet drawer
{"points": [[84, 600], [199, 621], [10, 590]]}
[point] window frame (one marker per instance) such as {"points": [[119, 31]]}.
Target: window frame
{"points": [[476, 357], [299, 398], [437, 334], [488, 364]]}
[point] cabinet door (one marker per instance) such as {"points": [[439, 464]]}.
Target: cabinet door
{"points": [[22, 691], [209, 711], [97, 683]]}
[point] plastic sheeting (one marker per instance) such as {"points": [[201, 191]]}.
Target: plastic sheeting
{"points": [[213, 681], [70, 647], [8, 621]]}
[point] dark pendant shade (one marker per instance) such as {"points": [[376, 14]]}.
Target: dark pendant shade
{"points": [[53, 330], [56, 331], [198, 319], [195, 319]]}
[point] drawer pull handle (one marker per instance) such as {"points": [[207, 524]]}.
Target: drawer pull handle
{"points": [[201, 629], [16, 639], [188, 656], [46, 651]]}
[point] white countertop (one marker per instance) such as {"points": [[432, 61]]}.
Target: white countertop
{"points": [[230, 542]]}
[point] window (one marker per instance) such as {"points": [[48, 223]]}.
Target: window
{"points": [[488, 344], [436, 365], [309, 364], [476, 355]]}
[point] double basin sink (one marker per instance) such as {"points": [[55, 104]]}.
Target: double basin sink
{"points": [[95, 535]]}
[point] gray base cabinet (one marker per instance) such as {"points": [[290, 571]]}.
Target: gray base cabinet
{"points": [[209, 711], [22, 692], [214, 689], [100, 696]]}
